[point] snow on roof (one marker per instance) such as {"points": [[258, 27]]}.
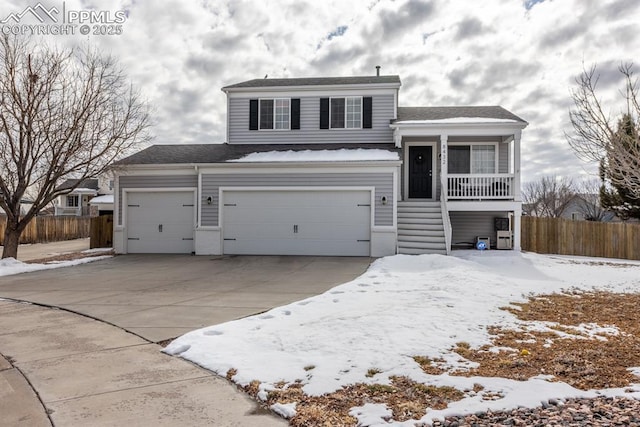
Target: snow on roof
{"points": [[459, 120], [107, 198], [345, 155], [81, 190]]}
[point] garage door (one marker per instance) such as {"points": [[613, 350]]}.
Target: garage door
{"points": [[332, 223], [160, 222]]}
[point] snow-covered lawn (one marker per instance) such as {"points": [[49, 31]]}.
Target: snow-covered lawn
{"points": [[9, 266], [403, 306]]}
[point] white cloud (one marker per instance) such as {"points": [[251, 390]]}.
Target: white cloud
{"points": [[447, 53]]}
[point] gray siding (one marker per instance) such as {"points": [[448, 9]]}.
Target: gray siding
{"points": [[466, 226], [310, 132], [153, 181], [383, 183]]}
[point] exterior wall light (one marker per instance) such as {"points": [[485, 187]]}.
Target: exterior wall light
{"points": [[209, 200], [384, 200]]}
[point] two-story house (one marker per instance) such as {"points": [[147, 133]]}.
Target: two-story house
{"points": [[91, 197], [327, 166]]}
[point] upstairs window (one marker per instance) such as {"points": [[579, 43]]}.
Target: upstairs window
{"points": [[346, 113], [274, 114], [476, 159], [349, 112]]}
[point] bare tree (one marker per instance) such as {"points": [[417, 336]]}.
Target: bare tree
{"points": [[596, 134], [588, 200], [549, 197], [63, 114]]}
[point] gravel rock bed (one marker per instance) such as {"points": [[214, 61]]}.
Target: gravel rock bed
{"points": [[602, 411]]}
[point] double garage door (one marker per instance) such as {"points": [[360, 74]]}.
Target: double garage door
{"points": [[329, 223]]}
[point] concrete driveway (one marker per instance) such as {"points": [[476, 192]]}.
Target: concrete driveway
{"points": [[163, 296]]}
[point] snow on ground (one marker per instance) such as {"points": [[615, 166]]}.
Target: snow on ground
{"points": [[403, 306], [9, 266], [346, 155]]}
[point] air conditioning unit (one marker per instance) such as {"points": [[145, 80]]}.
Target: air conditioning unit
{"points": [[486, 240], [504, 240]]}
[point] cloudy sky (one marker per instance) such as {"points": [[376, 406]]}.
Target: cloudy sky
{"points": [[521, 54]]}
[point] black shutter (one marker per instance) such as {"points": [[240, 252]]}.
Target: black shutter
{"points": [[367, 121], [253, 114], [324, 113], [295, 113]]}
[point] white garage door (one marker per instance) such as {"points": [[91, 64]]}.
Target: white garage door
{"points": [[332, 223], [160, 222]]}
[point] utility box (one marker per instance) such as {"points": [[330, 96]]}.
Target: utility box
{"points": [[504, 240]]}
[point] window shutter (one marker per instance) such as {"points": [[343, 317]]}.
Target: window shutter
{"points": [[295, 113], [367, 114], [324, 113], [253, 114]]}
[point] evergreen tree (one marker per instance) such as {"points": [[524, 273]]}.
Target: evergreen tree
{"points": [[614, 193]]}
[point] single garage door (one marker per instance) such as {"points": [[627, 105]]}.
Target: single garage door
{"points": [[331, 223], [160, 222]]}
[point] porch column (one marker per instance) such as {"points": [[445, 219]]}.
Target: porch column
{"points": [[516, 167], [517, 231], [443, 166]]}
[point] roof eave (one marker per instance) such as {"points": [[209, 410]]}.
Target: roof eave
{"points": [[301, 88], [436, 125]]}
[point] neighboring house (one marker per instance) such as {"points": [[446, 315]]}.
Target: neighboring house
{"points": [[327, 166], [25, 205], [587, 207], [90, 197]]}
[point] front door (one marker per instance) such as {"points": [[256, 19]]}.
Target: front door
{"points": [[420, 172]]}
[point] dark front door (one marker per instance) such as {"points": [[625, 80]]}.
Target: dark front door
{"points": [[420, 172]]}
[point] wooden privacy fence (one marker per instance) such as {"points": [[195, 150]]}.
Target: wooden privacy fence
{"points": [[584, 238], [44, 229], [101, 232]]}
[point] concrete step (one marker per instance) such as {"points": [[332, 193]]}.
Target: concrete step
{"points": [[421, 239], [421, 226], [423, 245], [412, 251], [426, 221], [416, 209], [421, 233], [420, 214], [419, 204]]}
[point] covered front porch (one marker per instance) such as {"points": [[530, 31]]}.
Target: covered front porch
{"points": [[464, 160]]}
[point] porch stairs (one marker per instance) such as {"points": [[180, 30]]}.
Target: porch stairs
{"points": [[420, 228]]}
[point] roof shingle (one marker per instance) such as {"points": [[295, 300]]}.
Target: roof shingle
{"points": [[315, 81], [221, 153]]}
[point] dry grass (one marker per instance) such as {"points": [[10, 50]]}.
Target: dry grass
{"points": [[431, 366], [69, 257], [568, 353], [406, 399], [571, 356]]}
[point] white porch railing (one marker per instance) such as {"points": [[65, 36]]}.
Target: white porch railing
{"points": [[68, 211], [480, 186]]}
